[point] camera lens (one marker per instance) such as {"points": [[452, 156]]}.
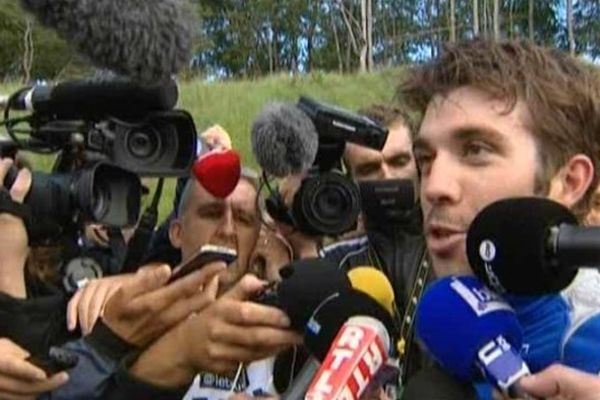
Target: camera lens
{"points": [[327, 204], [100, 200], [330, 203], [143, 144]]}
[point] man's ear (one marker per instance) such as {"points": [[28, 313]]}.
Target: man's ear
{"points": [[175, 233], [572, 181]]}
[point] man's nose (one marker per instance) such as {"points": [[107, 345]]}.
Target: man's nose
{"points": [[440, 182]]}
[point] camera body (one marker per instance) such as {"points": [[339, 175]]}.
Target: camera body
{"points": [[107, 134], [328, 201]]}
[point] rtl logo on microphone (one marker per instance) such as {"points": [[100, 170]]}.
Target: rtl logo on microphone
{"points": [[355, 357]]}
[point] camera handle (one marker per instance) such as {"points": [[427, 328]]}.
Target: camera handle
{"points": [[138, 245]]}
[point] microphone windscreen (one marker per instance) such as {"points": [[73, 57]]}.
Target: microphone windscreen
{"points": [[457, 316], [100, 97], [507, 246], [373, 282], [218, 171], [146, 40], [329, 317], [305, 284], [284, 140]]}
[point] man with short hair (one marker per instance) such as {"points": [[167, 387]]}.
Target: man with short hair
{"points": [[233, 222], [395, 160], [500, 120]]}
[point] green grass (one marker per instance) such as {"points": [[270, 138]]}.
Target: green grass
{"points": [[234, 104]]}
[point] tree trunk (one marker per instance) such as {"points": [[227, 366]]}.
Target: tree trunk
{"points": [[485, 18], [496, 20], [27, 51], [338, 50], [366, 54], [530, 21], [511, 22], [452, 21], [475, 18], [570, 28]]}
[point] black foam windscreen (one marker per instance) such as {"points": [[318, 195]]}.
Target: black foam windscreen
{"points": [[507, 246], [331, 315], [305, 284]]}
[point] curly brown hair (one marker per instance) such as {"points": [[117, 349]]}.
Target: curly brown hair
{"points": [[562, 95]]}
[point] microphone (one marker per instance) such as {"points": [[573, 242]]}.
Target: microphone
{"points": [[350, 333], [468, 328], [78, 99], [148, 40], [356, 355], [326, 291], [373, 282], [284, 140], [530, 246], [218, 171]]}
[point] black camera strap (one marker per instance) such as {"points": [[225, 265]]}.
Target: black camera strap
{"points": [[8, 205], [138, 245]]}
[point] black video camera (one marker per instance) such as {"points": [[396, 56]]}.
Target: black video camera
{"points": [[328, 201], [107, 134]]}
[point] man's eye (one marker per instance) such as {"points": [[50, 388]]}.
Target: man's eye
{"points": [[367, 169], [423, 158], [476, 149]]}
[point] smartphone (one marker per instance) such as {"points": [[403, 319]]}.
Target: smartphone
{"points": [[55, 361], [206, 254]]}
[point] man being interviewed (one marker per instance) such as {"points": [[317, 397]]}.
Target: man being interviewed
{"points": [[500, 120]]}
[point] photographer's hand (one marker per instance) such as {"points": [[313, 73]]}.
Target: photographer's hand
{"points": [[14, 247], [229, 331], [87, 305], [145, 307], [20, 380]]}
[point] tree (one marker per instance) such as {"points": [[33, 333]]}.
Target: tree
{"points": [[496, 20], [530, 21], [475, 17], [570, 30], [452, 21]]}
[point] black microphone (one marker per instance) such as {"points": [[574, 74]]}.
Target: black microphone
{"points": [[284, 140], [146, 40], [97, 99], [530, 246]]}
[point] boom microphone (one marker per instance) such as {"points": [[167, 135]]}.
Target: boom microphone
{"points": [[96, 98], [146, 40], [284, 140], [466, 327], [530, 246]]}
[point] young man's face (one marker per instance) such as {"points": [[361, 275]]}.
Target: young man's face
{"points": [[470, 153], [395, 160], [232, 222]]}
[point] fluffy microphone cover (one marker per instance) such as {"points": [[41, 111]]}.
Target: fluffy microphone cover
{"points": [[146, 40], [284, 140]]}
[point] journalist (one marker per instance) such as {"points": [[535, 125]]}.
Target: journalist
{"points": [[391, 241], [137, 314], [496, 123]]}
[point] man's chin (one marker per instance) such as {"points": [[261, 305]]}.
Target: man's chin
{"points": [[447, 267]]}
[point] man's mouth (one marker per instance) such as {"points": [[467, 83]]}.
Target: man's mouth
{"points": [[443, 239]]}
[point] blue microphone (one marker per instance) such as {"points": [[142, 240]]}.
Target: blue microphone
{"points": [[471, 332]]}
